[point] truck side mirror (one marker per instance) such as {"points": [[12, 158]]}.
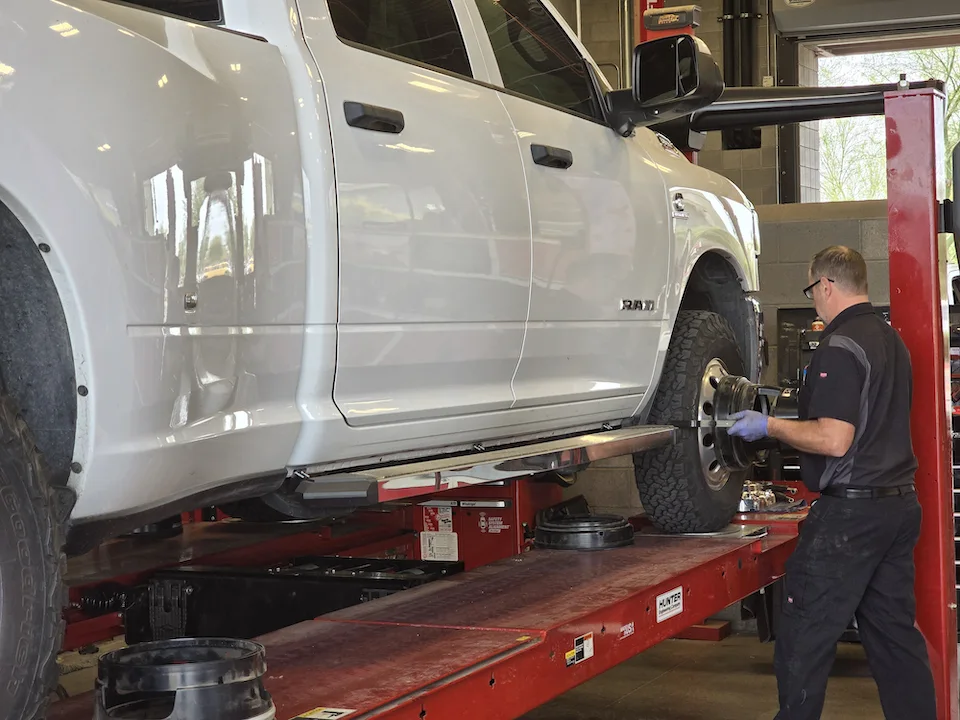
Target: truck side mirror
{"points": [[672, 77]]}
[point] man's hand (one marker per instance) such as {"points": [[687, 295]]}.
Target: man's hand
{"points": [[750, 425]]}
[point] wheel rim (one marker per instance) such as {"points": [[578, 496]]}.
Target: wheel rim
{"points": [[714, 472]]}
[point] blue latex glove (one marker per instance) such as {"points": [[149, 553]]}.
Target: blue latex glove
{"points": [[750, 425]]}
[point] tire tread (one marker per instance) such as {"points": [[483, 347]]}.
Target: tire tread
{"points": [[20, 459], [670, 481]]}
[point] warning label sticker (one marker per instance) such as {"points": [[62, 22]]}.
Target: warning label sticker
{"points": [[439, 546], [582, 650], [437, 519], [493, 524], [324, 713]]}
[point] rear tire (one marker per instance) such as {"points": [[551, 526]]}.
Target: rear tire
{"points": [[31, 566], [672, 481]]}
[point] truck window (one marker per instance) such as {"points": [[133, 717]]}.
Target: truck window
{"points": [[425, 31], [205, 11], [536, 56]]}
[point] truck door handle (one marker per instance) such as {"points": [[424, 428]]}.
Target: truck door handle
{"points": [[552, 157], [373, 117]]}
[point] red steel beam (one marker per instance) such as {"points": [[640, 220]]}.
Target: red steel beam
{"points": [[918, 301], [541, 626], [499, 641]]}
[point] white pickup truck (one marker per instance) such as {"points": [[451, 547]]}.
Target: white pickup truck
{"points": [[292, 257]]}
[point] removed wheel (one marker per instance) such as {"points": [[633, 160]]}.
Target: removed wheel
{"points": [[686, 487], [31, 596]]}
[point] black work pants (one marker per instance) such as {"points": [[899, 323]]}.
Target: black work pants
{"points": [[854, 557]]}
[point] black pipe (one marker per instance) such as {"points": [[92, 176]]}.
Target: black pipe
{"points": [[730, 74], [753, 107], [748, 43]]}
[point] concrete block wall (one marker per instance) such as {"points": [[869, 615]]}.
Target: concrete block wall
{"points": [[602, 34], [754, 171], [609, 487], [600, 31], [791, 235]]}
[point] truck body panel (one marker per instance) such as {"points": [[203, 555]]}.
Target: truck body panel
{"points": [[256, 281]]}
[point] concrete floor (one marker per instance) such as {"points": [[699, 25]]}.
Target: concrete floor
{"points": [[692, 680]]}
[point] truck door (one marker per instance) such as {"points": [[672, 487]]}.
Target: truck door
{"points": [[600, 222], [434, 223]]}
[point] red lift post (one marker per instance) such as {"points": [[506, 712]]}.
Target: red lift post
{"points": [[915, 188]]}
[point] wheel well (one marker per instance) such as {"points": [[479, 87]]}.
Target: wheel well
{"points": [[714, 285], [36, 359]]}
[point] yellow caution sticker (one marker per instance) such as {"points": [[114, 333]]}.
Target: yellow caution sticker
{"points": [[325, 713]]}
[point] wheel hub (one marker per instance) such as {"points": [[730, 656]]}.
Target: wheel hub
{"points": [[715, 471], [722, 396]]}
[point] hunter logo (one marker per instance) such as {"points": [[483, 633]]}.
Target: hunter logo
{"points": [[799, 3], [670, 604], [668, 19], [639, 305]]}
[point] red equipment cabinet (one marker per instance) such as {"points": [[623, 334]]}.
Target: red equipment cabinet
{"points": [[482, 523]]}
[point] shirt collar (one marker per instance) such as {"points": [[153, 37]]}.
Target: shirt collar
{"points": [[865, 308]]}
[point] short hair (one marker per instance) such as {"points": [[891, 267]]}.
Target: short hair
{"points": [[844, 266]]}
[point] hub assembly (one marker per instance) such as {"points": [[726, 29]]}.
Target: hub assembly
{"points": [[721, 397]]}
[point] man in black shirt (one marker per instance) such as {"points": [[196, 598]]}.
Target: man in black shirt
{"points": [[855, 553]]}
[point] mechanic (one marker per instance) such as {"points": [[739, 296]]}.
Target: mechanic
{"points": [[855, 553]]}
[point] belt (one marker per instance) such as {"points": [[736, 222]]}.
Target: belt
{"points": [[862, 493]]}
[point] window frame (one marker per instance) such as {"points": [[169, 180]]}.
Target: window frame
{"points": [[598, 93], [143, 6], [601, 113], [410, 61]]}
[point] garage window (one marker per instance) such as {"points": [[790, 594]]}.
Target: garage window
{"points": [[205, 11], [425, 31]]}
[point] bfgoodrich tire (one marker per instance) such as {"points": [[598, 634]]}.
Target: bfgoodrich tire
{"points": [[31, 599], [679, 490]]}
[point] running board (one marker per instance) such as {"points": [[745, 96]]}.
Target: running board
{"points": [[395, 482]]}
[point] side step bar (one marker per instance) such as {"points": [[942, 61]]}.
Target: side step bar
{"points": [[394, 482]]}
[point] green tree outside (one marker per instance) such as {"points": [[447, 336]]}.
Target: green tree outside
{"points": [[853, 150]]}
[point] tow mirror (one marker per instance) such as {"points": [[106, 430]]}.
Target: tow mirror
{"points": [[672, 77]]}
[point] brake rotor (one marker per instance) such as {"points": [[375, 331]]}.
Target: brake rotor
{"points": [[584, 532]]}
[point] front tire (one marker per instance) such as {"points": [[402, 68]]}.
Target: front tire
{"points": [[31, 562], [683, 487]]}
